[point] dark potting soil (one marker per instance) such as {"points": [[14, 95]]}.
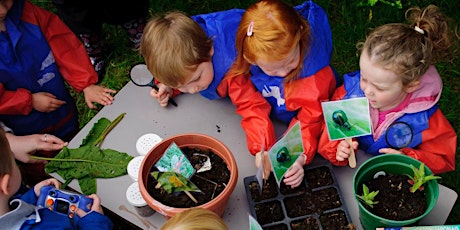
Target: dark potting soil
{"points": [[211, 182], [396, 201], [315, 204]]}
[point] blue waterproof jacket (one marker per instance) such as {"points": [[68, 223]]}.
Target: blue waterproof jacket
{"points": [[39, 54], [419, 130]]}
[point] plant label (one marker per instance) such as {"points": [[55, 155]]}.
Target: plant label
{"points": [[285, 152], [174, 160], [347, 118], [253, 224]]}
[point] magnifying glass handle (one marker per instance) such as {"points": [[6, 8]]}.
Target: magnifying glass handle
{"points": [[170, 100]]}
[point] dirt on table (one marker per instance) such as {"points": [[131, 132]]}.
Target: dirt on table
{"points": [[395, 200], [211, 183]]}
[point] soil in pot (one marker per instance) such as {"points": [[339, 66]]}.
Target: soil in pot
{"points": [[211, 182], [396, 201]]}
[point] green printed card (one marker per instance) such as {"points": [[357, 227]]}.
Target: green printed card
{"points": [[285, 151], [347, 118], [174, 160]]}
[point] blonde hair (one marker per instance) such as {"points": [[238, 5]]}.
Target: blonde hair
{"points": [[195, 219], [173, 45], [404, 50], [6, 155], [277, 30]]}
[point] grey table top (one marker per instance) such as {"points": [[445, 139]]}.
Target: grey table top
{"points": [[199, 115]]}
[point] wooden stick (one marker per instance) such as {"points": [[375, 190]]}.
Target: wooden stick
{"points": [[352, 158], [191, 196]]}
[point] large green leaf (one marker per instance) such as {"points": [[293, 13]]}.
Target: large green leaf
{"points": [[88, 162]]}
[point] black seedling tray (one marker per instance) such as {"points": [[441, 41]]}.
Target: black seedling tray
{"points": [[315, 204]]}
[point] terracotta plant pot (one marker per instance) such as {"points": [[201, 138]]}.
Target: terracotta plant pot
{"points": [[201, 141], [393, 164]]}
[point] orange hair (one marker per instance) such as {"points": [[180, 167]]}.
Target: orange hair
{"points": [[277, 30]]}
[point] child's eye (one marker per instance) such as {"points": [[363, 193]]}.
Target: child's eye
{"points": [[197, 79]]}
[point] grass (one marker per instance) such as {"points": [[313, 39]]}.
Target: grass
{"points": [[350, 20]]}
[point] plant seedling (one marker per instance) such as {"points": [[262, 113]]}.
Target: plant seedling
{"points": [[368, 197], [175, 182], [420, 178]]}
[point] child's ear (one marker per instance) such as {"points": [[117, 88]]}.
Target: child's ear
{"points": [[412, 86], [4, 182]]}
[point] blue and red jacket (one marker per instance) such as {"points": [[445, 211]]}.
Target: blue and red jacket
{"points": [[420, 130], [300, 100], [39, 54]]}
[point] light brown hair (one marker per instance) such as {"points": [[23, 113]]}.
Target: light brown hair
{"points": [[404, 50], [173, 45], [5, 155], [277, 30], [195, 219]]}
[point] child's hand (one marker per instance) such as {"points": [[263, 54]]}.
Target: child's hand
{"points": [[344, 151], [389, 151], [96, 206], [45, 102], [267, 165], [24, 146], [294, 175], [162, 95], [46, 182], [98, 94]]}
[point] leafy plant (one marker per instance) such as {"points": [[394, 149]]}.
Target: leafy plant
{"points": [[175, 182], [420, 178], [368, 197], [88, 162], [371, 3]]}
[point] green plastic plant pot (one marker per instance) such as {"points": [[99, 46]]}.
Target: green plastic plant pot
{"points": [[394, 164]]}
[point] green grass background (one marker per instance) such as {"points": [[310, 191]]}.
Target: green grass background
{"points": [[350, 20]]}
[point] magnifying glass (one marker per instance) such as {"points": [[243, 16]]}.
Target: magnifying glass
{"points": [[141, 76], [399, 135]]}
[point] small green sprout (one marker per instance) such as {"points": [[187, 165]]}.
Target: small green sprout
{"points": [[420, 178], [368, 197]]}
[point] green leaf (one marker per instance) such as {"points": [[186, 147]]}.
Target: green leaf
{"points": [[109, 128], [174, 182], [88, 185], [368, 197], [96, 131], [419, 177], [89, 162]]}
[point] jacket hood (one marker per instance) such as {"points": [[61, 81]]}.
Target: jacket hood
{"points": [[422, 99]]}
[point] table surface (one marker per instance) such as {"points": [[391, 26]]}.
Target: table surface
{"points": [[196, 114]]}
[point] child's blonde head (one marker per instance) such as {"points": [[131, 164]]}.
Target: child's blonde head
{"points": [[409, 49], [277, 30], [6, 155], [195, 219], [173, 45]]}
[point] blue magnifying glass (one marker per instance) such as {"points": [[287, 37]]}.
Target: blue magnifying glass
{"points": [[399, 135]]}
